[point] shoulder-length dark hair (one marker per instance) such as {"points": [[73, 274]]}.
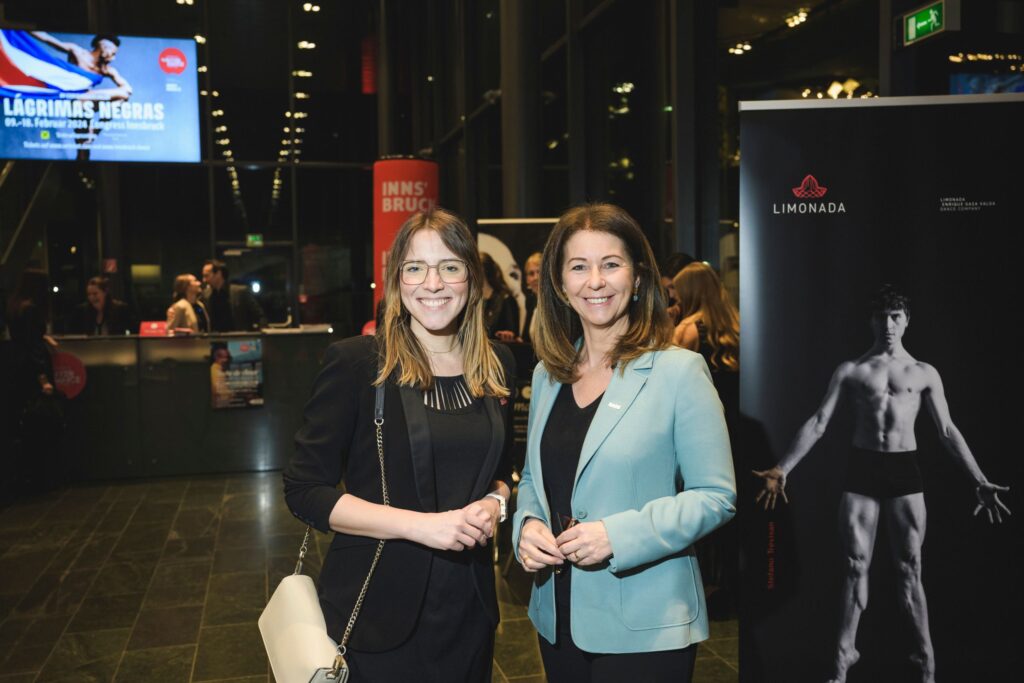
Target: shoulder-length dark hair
{"points": [[558, 325], [400, 350]]}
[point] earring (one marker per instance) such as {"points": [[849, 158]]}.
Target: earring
{"points": [[636, 296]]}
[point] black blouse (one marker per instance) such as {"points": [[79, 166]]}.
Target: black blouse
{"points": [[560, 448]]}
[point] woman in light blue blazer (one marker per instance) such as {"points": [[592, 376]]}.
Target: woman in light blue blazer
{"points": [[628, 463]]}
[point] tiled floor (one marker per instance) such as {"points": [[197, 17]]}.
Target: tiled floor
{"points": [[163, 581]]}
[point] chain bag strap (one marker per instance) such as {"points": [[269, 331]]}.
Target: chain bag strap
{"points": [[339, 672]]}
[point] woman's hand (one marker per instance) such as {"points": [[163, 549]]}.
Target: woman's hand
{"points": [[585, 544], [537, 546], [452, 530], [484, 515]]}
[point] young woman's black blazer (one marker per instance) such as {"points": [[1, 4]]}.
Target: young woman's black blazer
{"points": [[336, 441]]}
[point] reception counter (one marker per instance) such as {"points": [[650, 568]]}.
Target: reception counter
{"points": [[144, 407]]}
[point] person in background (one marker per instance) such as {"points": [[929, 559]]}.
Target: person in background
{"points": [[101, 314], [669, 268], [501, 312], [628, 464], [187, 311], [532, 292], [35, 416], [232, 307], [710, 325], [431, 606]]}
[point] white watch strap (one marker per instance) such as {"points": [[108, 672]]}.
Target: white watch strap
{"points": [[502, 505]]}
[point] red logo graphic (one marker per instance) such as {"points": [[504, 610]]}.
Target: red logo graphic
{"points": [[809, 189], [172, 60], [68, 373]]}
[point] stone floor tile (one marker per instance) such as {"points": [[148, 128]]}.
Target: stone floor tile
{"points": [[118, 578], [106, 612], [235, 598], [229, 651], [160, 665], [178, 584], [166, 626], [92, 655]]}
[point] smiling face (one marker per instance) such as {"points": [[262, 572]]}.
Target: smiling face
{"points": [[598, 279], [96, 296], [434, 304]]}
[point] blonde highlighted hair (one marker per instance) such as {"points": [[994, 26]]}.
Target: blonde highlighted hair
{"points": [[559, 326], [701, 294], [401, 354]]}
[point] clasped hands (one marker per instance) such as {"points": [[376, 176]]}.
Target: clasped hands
{"points": [[460, 529], [585, 544]]}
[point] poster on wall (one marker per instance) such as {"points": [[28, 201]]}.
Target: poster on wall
{"points": [[876, 452], [511, 242], [99, 97], [236, 373]]}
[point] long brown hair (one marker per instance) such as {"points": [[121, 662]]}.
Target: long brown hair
{"points": [[558, 325], [700, 291], [400, 351]]}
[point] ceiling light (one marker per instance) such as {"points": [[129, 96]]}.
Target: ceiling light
{"points": [[200, 39], [306, 45]]}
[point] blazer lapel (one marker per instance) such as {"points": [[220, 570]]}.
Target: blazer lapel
{"points": [[618, 397], [419, 446], [486, 475]]}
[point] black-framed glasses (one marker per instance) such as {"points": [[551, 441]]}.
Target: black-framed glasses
{"points": [[451, 271]]}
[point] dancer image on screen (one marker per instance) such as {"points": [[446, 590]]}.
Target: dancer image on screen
{"points": [[98, 61], [883, 483]]}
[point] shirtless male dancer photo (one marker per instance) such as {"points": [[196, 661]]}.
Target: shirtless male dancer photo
{"points": [[883, 483], [97, 61]]}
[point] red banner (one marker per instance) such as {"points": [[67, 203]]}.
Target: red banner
{"points": [[68, 373], [401, 187]]}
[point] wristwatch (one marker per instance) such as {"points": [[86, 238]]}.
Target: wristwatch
{"points": [[502, 505]]}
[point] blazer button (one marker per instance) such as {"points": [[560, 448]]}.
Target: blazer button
{"points": [[581, 514]]}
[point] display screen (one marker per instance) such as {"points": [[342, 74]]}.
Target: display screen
{"points": [[98, 97]]}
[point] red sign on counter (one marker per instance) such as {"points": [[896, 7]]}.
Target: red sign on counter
{"points": [[68, 373]]}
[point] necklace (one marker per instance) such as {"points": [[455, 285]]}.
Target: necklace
{"points": [[438, 353]]}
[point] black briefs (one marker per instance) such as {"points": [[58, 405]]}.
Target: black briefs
{"points": [[883, 475]]}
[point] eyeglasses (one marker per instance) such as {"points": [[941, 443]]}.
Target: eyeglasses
{"points": [[451, 271]]}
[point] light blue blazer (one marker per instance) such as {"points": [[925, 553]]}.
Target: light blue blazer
{"points": [[656, 468]]}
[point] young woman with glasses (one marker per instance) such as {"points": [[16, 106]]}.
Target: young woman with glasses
{"points": [[431, 609]]}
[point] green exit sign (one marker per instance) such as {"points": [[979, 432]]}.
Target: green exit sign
{"points": [[254, 239], [924, 22]]}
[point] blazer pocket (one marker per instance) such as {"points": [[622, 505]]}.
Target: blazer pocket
{"points": [[660, 595]]}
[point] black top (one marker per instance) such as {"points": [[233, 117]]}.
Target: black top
{"points": [[459, 438], [116, 319], [501, 312], [726, 380], [560, 448], [338, 440], [218, 306]]}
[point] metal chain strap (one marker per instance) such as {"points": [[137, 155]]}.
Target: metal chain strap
{"points": [[380, 544], [302, 550]]}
